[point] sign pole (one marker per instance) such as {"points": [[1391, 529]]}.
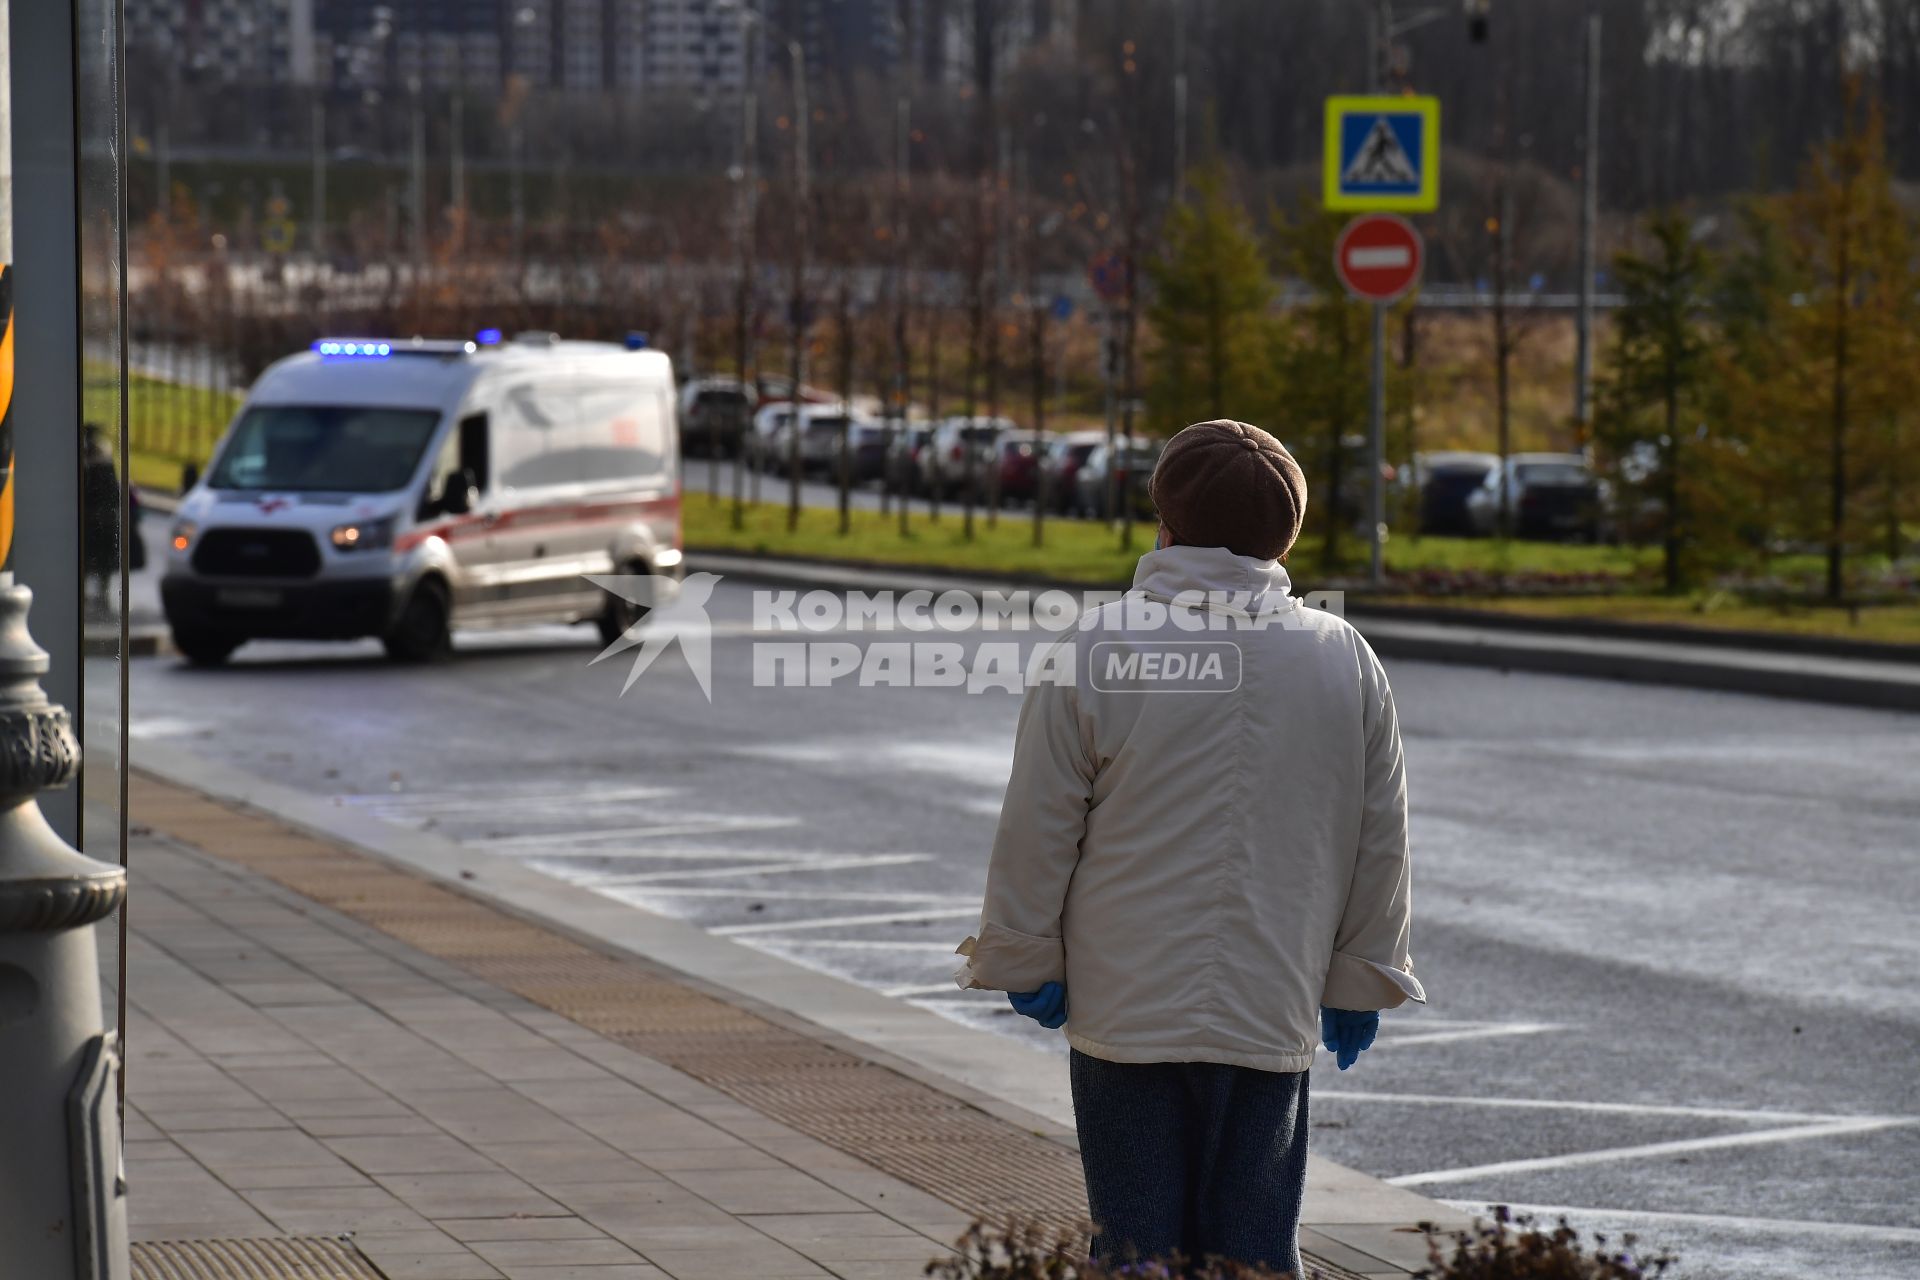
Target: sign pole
{"points": [[1377, 448], [1382, 156], [1378, 259]]}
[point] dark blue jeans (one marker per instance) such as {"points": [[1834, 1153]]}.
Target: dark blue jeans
{"points": [[1196, 1158]]}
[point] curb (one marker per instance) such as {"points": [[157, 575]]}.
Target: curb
{"points": [[1802, 673], [1658, 632], [1858, 682]]}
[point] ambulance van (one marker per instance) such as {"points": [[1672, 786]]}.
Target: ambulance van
{"points": [[403, 488]]}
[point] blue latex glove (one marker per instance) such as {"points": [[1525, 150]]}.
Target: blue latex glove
{"points": [[1047, 1006], [1347, 1033]]}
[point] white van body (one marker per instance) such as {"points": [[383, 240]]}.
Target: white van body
{"points": [[367, 486]]}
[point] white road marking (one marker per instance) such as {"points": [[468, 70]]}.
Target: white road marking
{"points": [[861, 944], [929, 989], [494, 799], [706, 825], [982, 762], [1470, 1031], [1649, 1150], [779, 895], [835, 922], [716, 854], [1594, 1108], [848, 863], [1787, 1226]]}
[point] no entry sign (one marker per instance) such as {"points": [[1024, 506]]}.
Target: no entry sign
{"points": [[1378, 257]]}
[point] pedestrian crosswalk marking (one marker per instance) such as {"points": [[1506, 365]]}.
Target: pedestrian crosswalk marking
{"points": [[787, 866], [1841, 1127], [835, 922], [642, 892], [713, 824]]}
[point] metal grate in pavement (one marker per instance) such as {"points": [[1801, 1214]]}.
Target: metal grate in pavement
{"points": [[266, 1258], [980, 1164]]}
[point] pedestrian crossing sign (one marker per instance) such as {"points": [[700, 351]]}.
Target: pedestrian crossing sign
{"points": [[1383, 154]]}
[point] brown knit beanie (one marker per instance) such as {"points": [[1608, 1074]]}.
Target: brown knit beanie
{"points": [[1226, 484]]}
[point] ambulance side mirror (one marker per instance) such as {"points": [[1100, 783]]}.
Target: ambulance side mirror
{"points": [[458, 494]]}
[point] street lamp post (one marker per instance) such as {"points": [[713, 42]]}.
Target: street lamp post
{"points": [[63, 1200], [797, 320], [1589, 220], [747, 213], [897, 284]]}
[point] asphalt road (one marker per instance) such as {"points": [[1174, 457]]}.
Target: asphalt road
{"points": [[1669, 936]]}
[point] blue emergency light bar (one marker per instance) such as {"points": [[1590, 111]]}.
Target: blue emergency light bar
{"points": [[487, 337], [363, 348], [382, 348]]}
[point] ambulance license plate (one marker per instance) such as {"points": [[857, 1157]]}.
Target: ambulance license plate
{"points": [[249, 597]]}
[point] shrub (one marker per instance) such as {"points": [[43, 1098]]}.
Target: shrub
{"points": [[1027, 1252], [1511, 1247]]}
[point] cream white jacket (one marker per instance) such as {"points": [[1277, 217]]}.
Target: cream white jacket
{"points": [[1205, 869]]}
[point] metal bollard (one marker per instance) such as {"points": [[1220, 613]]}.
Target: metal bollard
{"points": [[63, 1194]]}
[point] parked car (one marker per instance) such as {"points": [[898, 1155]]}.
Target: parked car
{"points": [[867, 450], [943, 463], [903, 457], [774, 388], [767, 422], [1020, 456], [1065, 456], [1443, 482], [822, 426], [1550, 496], [1135, 463], [715, 414]]}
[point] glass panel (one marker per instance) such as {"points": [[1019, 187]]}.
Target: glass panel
{"points": [[111, 545]]}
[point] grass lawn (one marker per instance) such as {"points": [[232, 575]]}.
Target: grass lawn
{"points": [[1087, 551], [169, 424], [1084, 551], [1075, 551], [1888, 624]]}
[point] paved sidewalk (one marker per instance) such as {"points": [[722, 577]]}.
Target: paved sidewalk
{"points": [[293, 1072], [321, 1044]]}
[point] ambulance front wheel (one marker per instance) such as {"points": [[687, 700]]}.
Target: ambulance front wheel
{"points": [[423, 632], [621, 615], [204, 648]]}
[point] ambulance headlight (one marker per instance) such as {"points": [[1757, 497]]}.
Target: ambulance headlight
{"points": [[364, 535]]}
